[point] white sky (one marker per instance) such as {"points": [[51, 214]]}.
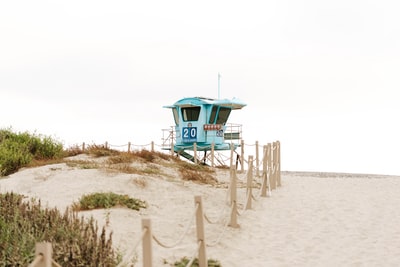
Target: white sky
{"points": [[320, 76]]}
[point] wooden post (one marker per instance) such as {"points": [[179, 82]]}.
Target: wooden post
{"points": [[106, 145], [83, 147], [269, 168], [269, 164], [231, 159], [172, 146], [152, 146], [43, 255], [257, 161], [273, 177], [147, 249], [233, 223], [249, 190], [195, 152], [200, 231], [242, 155], [278, 161], [264, 173], [129, 147], [212, 154]]}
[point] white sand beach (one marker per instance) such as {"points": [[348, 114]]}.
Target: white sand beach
{"points": [[313, 219]]}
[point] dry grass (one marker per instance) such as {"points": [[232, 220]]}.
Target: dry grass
{"points": [[151, 156], [124, 168], [197, 173], [73, 151], [42, 162], [140, 182], [100, 151], [82, 164], [122, 157]]}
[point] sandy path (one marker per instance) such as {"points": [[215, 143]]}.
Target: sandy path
{"points": [[313, 221]]}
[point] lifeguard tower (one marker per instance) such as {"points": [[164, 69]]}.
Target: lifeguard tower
{"points": [[201, 125]]}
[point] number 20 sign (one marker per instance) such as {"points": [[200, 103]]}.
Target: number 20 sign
{"points": [[189, 134]]}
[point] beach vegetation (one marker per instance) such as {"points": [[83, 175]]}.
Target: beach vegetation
{"points": [[100, 150], [135, 155], [73, 150], [197, 173], [75, 241], [150, 156], [106, 201], [82, 164], [185, 261], [18, 150]]}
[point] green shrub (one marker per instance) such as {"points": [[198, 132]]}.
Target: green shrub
{"points": [[184, 261], [108, 200], [19, 149], [13, 156], [47, 148], [75, 241]]}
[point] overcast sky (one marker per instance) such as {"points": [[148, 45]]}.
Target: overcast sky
{"points": [[320, 76]]}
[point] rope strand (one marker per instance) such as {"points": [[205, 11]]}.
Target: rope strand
{"points": [[137, 243], [182, 236]]}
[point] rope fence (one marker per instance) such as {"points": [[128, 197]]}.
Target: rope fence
{"points": [[268, 181], [270, 175], [200, 251]]}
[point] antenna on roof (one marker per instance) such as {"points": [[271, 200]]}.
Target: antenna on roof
{"points": [[219, 85]]}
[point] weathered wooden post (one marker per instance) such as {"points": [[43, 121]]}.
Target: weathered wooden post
{"points": [[83, 147], [152, 146], [43, 255], [172, 147], [129, 147], [267, 170], [233, 223], [278, 160], [231, 158], [249, 190], [212, 154], [242, 155], [195, 152], [200, 231], [257, 161], [147, 237], [274, 156], [264, 184], [270, 169]]}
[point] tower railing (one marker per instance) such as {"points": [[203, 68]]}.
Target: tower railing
{"points": [[233, 132], [168, 138]]}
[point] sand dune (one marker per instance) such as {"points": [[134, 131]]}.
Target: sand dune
{"points": [[314, 219]]}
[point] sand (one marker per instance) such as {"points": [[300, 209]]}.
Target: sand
{"points": [[313, 219]]}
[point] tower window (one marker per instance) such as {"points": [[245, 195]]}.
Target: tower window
{"points": [[191, 113], [223, 115]]}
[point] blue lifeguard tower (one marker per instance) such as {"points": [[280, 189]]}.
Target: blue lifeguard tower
{"points": [[201, 123]]}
